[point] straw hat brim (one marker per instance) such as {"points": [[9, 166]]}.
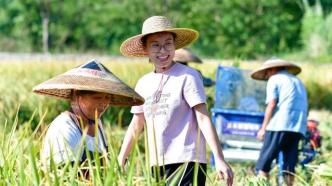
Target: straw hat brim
{"points": [[186, 56], [62, 87], [133, 47], [260, 73]]}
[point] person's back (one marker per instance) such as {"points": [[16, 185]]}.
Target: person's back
{"points": [[285, 116], [292, 91], [292, 106]]}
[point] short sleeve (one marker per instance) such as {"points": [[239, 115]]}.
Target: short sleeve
{"points": [[271, 90], [62, 142], [193, 90]]}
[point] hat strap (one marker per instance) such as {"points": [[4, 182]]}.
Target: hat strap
{"points": [[90, 121]]}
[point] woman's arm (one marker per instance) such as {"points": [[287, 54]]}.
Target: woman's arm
{"points": [[204, 122], [133, 131]]}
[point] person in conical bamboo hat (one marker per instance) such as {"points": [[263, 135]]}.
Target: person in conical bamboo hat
{"points": [[175, 113], [274, 64], [285, 119], [185, 56], [90, 88]]}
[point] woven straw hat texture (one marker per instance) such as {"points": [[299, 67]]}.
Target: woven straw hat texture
{"points": [[260, 73], [133, 46], [92, 76]]}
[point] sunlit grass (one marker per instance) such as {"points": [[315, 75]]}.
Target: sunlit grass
{"points": [[24, 118]]}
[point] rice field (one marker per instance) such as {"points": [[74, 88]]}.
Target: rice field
{"points": [[24, 118]]}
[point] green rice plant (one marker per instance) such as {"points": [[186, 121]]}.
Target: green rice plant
{"points": [[324, 171], [257, 181], [24, 118], [17, 80], [22, 165]]}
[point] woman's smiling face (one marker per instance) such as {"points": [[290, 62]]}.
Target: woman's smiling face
{"points": [[160, 48]]}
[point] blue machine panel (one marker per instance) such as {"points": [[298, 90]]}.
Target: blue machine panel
{"points": [[238, 113], [241, 123]]}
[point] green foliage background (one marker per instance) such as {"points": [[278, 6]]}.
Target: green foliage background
{"points": [[228, 28]]}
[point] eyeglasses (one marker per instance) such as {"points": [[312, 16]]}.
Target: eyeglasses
{"points": [[156, 47]]}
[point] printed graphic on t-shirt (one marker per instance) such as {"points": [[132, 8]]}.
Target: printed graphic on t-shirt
{"points": [[159, 107]]}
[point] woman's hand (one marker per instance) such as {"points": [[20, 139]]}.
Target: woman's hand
{"points": [[224, 171], [134, 129]]}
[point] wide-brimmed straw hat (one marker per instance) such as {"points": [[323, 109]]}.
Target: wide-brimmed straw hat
{"points": [[134, 46], [92, 76], [185, 55], [260, 73]]}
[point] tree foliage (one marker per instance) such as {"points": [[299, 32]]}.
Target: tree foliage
{"points": [[228, 28]]}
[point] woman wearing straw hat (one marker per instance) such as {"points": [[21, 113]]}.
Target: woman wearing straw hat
{"points": [[185, 56], [175, 113], [91, 88], [285, 115]]}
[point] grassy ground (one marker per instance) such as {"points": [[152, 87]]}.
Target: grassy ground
{"points": [[24, 118]]}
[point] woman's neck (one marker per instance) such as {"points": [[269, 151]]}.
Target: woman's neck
{"points": [[163, 69]]}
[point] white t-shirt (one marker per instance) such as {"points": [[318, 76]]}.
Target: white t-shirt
{"points": [[172, 119], [64, 140]]}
